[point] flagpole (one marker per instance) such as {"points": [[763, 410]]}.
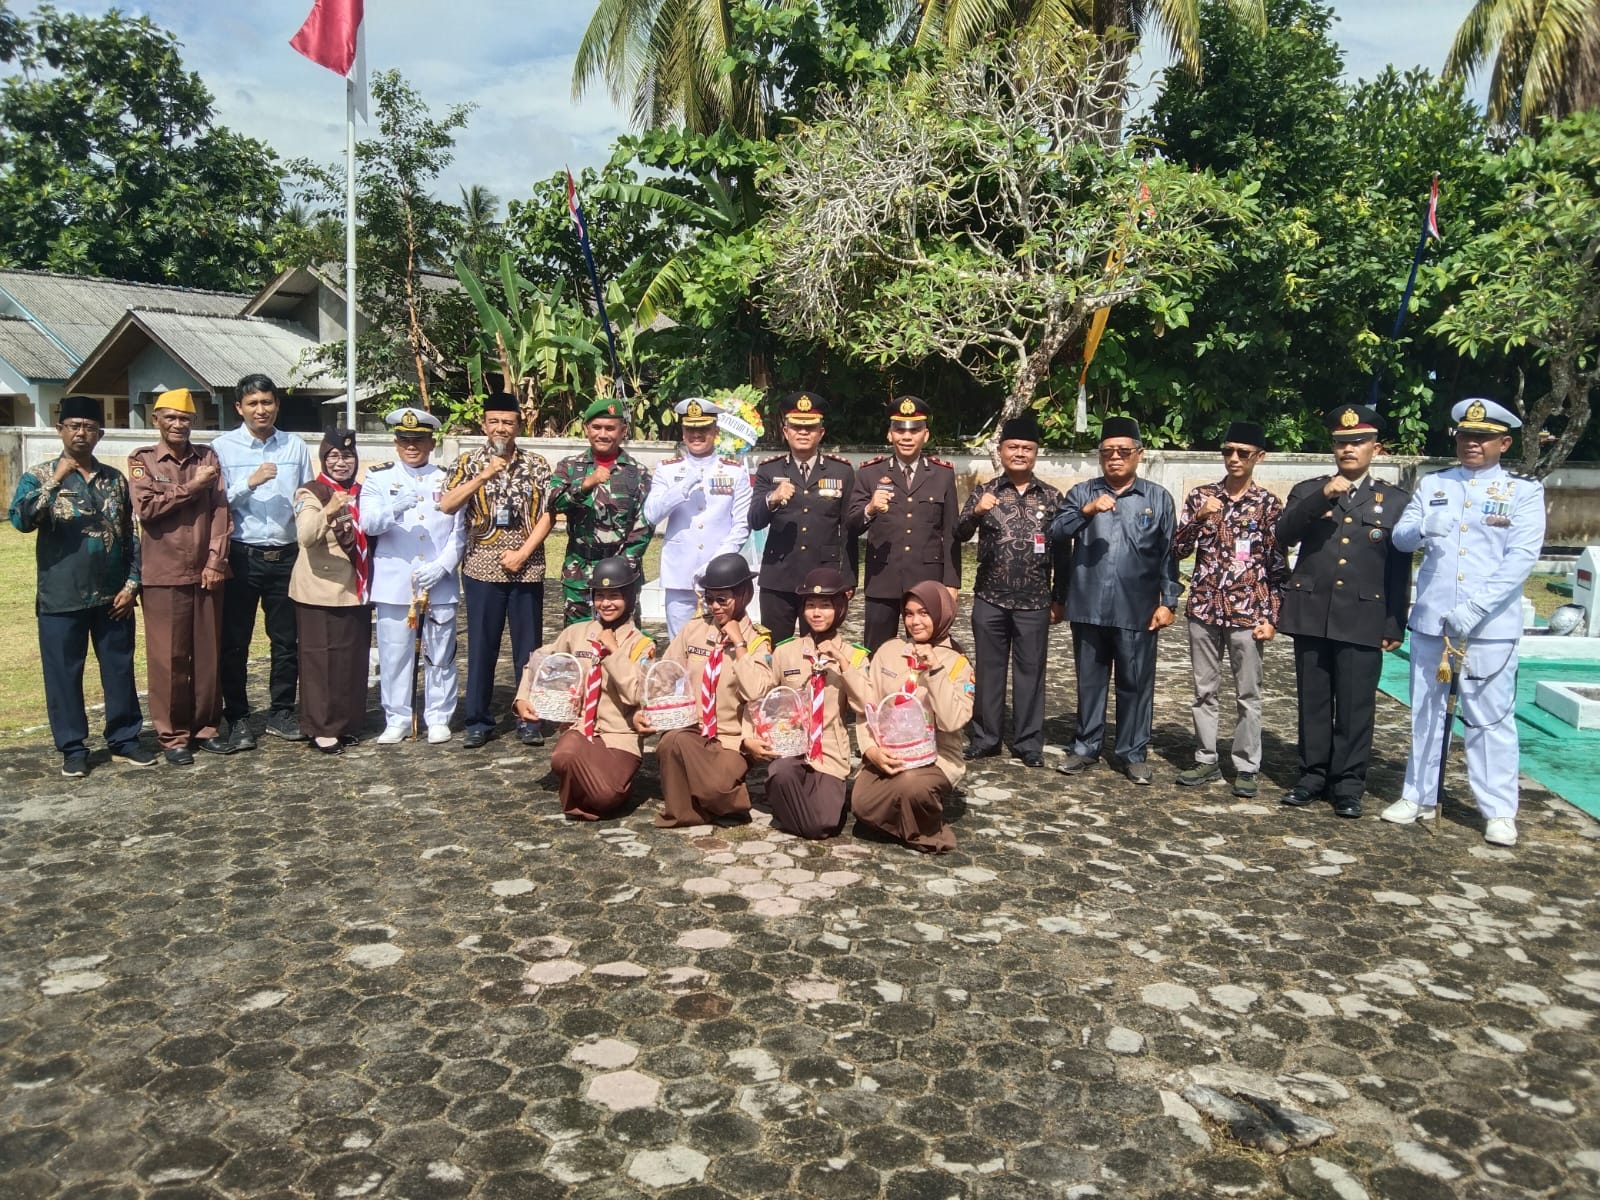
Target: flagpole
{"points": [[349, 253], [1428, 218]]}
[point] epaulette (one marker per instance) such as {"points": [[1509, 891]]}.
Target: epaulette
{"points": [[732, 462], [785, 642], [643, 647], [939, 462], [859, 654], [667, 462], [1525, 477], [840, 458], [383, 466], [773, 459], [955, 667], [870, 461]]}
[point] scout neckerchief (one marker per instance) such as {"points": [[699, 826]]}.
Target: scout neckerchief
{"points": [[708, 693], [591, 689]]}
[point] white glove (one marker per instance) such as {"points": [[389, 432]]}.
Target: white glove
{"points": [[426, 577], [1461, 620], [1437, 523]]}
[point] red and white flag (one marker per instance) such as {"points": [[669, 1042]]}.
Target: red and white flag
{"points": [[1433, 211], [332, 37]]}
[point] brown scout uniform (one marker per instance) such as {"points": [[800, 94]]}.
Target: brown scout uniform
{"points": [[183, 529], [333, 624], [910, 805], [596, 776], [701, 780], [808, 798]]}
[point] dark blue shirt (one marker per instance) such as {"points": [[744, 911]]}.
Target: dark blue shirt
{"points": [[87, 550], [1120, 563]]}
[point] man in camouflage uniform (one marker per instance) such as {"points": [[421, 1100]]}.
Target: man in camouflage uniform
{"points": [[602, 493]]}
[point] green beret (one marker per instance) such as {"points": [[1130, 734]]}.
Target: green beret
{"points": [[605, 407]]}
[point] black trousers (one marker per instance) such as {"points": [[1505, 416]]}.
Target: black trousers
{"points": [[1131, 653], [260, 579], [63, 653], [1017, 638], [882, 622], [490, 607], [1337, 687], [780, 613]]}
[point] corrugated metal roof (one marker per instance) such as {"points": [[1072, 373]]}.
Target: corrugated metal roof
{"points": [[81, 311], [30, 352], [220, 350]]}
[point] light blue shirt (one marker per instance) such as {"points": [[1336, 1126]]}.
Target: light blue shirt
{"points": [[262, 516], [1480, 533]]}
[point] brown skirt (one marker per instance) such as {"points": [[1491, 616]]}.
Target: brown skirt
{"points": [[701, 781], [804, 801], [333, 668], [908, 806], [596, 780]]}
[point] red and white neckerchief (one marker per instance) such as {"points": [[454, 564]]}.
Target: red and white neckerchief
{"points": [[814, 725], [591, 690], [708, 693]]}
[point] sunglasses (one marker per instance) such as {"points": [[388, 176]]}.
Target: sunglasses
{"points": [[1239, 452], [1118, 451]]}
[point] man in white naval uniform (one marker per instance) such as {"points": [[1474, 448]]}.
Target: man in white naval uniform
{"points": [[415, 550], [1481, 528], [704, 500]]}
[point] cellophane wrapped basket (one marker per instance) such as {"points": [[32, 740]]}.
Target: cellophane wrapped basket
{"points": [[780, 720], [666, 696], [558, 689], [903, 725]]}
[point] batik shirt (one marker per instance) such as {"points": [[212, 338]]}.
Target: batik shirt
{"points": [[1239, 571], [1014, 550], [87, 550], [502, 513]]}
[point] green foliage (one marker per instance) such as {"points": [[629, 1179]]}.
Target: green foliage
{"points": [[1300, 318], [1531, 280], [110, 163]]}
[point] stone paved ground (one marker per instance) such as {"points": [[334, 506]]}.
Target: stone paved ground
{"points": [[401, 975]]}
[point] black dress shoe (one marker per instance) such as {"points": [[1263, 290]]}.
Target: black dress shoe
{"points": [[1298, 797], [335, 749], [530, 735], [972, 752], [181, 757], [216, 745], [1347, 806], [475, 738], [1032, 760]]}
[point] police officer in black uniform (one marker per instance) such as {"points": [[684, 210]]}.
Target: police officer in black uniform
{"points": [[1345, 604], [800, 498], [904, 505]]}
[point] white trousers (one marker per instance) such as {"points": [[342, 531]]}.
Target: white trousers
{"points": [[1486, 704], [682, 604], [396, 647]]}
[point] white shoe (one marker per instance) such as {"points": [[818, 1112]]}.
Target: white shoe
{"points": [[1500, 831], [392, 735], [438, 734], [1404, 812]]}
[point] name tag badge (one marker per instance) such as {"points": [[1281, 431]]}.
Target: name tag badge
{"points": [[1438, 499], [1038, 543], [1241, 549]]}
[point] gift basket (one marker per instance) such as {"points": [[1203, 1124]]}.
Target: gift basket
{"points": [[558, 688], [903, 725], [666, 696], [780, 721]]}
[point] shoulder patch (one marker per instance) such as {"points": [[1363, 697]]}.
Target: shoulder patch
{"points": [[642, 648], [859, 655], [136, 470]]}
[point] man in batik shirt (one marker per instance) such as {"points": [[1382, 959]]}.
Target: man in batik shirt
{"points": [[602, 493], [1239, 573]]}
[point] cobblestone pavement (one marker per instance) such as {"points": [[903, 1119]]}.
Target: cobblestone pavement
{"points": [[402, 974]]}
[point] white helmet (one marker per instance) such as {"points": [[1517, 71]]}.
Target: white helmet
{"points": [[1566, 620]]}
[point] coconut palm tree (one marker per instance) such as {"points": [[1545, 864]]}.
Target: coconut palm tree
{"points": [[1546, 56], [662, 58]]}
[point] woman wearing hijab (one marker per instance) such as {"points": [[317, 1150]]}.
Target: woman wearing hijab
{"points": [[329, 588], [908, 802], [806, 793], [596, 759]]}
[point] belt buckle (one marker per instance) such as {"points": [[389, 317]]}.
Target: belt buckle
{"points": [[272, 555]]}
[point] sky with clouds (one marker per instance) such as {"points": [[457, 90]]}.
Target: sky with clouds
{"points": [[513, 60]]}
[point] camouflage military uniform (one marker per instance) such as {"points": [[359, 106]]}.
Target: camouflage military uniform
{"points": [[606, 521]]}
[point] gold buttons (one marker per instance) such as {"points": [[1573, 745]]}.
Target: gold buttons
{"points": [[1341, 562], [1338, 583], [1344, 541], [1347, 520], [1463, 527], [1459, 577]]}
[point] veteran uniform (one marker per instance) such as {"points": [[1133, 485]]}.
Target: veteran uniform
{"points": [[1345, 598], [703, 767], [806, 530], [184, 526], [916, 538], [415, 552], [606, 520], [704, 501], [1480, 529], [596, 759]]}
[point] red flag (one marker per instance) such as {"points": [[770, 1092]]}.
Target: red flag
{"points": [[1433, 211], [328, 38]]}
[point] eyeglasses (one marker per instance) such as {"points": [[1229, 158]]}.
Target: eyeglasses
{"points": [[1119, 451], [80, 426], [1238, 452]]}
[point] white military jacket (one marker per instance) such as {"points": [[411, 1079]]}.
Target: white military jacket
{"points": [[401, 542], [705, 503], [1481, 531]]}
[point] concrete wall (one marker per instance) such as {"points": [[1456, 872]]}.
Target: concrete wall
{"points": [[1572, 494]]}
